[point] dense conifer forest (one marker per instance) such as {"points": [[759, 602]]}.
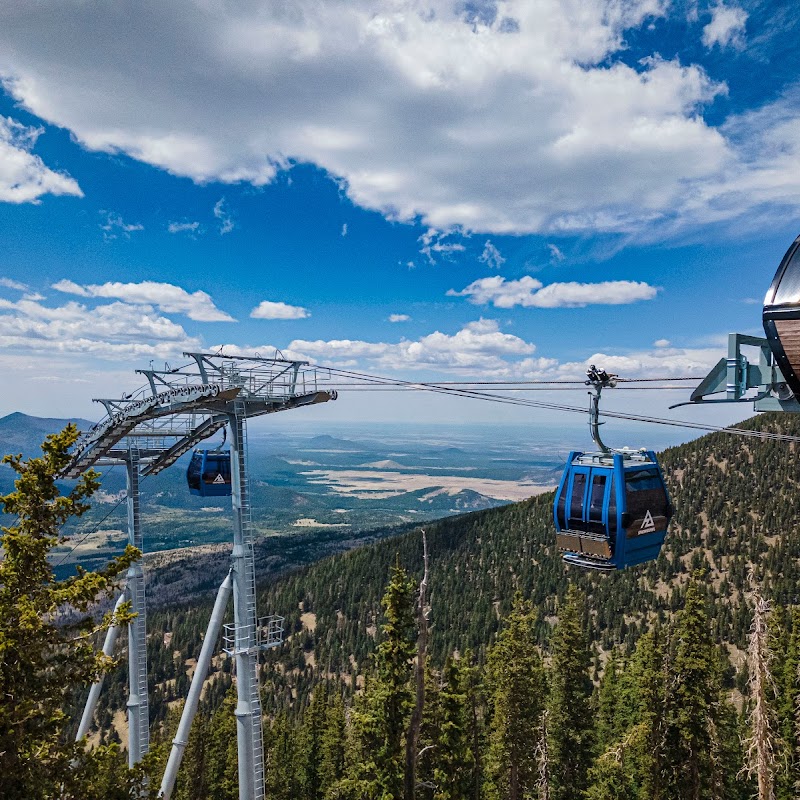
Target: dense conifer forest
{"points": [[532, 680]]}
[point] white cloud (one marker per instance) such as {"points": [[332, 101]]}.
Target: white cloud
{"points": [[529, 292], [24, 177], [555, 253], [166, 296], [221, 212], [344, 229], [268, 309], [478, 348], [113, 226], [183, 227], [662, 343], [111, 331], [433, 242], [399, 318], [525, 116], [669, 361], [8, 283], [764, 176], [491, 256], [726, 28]]}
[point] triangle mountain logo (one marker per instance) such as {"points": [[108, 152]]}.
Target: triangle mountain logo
{"points": [[648, 525], [220, 479]]}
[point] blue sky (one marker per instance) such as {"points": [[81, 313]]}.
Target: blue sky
{"points": [[434, 190]]}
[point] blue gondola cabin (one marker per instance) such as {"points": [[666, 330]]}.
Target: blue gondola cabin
{"points": [[611, 509], [209, 473]]}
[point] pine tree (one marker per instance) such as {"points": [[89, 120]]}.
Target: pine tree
{"points": [[283, 779], [221, 758], [332, 746], [609, 724], [694, 703], [310, 745], [788, 705], [43, 655], [570, 719], [192, 781], [471, 683], [430, 733], [516, 686], [453, 759], [381, 718], [415, 723], [648, 681]]}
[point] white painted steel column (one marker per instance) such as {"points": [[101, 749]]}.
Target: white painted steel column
{"points": [[138, 710], [248, 707], [193, 699], [97, 686]]}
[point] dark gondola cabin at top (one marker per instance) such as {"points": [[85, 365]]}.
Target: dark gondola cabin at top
{"points": [[209, 473], [782, 317]]}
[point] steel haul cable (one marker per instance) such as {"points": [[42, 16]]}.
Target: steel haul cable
{"points": [[483, 395]]}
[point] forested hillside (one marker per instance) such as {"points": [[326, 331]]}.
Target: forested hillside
{"points": [[737, 507]]}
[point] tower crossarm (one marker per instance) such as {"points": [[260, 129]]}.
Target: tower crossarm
{"points": [[202, 391]]}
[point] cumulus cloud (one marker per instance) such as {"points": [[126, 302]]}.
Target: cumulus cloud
{"points": [[726, 28], [569, 139], [669, 361], [479, 347], [267, 309], [335, 84], [491, 256], [344, 229], [24, 177], [399, 318], [529, 292], [166, 296], [113, 330]]}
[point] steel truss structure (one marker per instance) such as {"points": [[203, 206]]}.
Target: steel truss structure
{"points": [[148, 431], [738, 377]]}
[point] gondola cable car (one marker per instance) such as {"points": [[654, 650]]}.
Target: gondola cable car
{"points": [[209, 472], [612, 507]]}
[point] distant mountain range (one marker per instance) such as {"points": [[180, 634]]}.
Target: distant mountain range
{"points": [[22, 433]]}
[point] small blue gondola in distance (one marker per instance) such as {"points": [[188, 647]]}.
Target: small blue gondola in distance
{"points": [[209, 473], [611, 510]]}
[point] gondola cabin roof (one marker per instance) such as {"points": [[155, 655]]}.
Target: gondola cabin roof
{"points": [[781, 316]]}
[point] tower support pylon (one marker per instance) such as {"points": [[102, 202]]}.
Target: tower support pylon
{"points": [[138, 707], [249, 733]]}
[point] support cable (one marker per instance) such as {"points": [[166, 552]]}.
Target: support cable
{"points": [[528, 403]]}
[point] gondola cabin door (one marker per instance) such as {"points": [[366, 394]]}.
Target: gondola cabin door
{"points": [[583, 512]]}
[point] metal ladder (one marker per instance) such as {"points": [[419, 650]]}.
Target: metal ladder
{"points": [[251, 640], [139, 719], [142, 732]]}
